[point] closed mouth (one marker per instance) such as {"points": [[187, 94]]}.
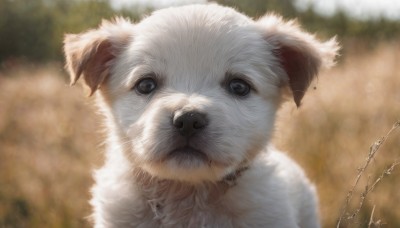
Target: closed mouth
{"points": [[187, 153]]}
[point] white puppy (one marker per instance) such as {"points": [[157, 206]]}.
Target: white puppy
{"points": [[190, 95]]}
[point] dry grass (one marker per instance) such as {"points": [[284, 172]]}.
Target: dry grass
{"points": [[47, 147], [374, 149], [353, 105], [49, 143]]}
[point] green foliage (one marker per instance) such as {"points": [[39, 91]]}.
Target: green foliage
{"points": [[21, 25], [33, 30], [349, 30]]}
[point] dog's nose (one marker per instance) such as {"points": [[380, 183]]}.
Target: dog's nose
{"points": [[189, 122]]}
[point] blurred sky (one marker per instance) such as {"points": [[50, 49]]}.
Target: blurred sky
{"points": [[360, 9]]}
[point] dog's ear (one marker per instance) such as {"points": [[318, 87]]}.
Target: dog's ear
{"points": [[91, 53], [300, 55]]}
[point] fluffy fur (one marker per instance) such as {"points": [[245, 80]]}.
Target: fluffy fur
{"points": [[193, 53]]}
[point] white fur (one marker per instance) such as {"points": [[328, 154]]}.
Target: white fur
{"points": [[192, 52]]}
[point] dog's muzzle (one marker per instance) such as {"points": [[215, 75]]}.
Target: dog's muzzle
{"points": [[188, 124]]}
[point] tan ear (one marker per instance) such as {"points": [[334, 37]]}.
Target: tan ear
{"points": [[91, 53], [300, 54]]}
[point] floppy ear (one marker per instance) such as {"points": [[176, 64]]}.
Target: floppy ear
{"points": [[300, 55], [92, 53]]}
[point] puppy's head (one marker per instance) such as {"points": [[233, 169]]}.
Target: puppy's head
{"points": [[193, 91]]}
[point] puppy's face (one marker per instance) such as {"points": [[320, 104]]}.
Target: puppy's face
{"points": [[193, 91]]}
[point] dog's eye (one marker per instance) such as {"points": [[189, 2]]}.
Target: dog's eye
{"points": [[146, 86], [239, 87]]}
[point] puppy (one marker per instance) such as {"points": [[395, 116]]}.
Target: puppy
{"points": [[189, 96]]}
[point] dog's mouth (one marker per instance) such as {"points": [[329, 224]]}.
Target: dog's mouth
{"points": [[187, 154]]}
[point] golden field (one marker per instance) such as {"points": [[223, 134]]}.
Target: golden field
{"points": [[50, 141]]}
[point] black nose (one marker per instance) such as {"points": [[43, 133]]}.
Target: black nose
{"points": [[189, 122]]}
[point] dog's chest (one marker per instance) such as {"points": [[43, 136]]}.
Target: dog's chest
{"points": [[177, 205]]}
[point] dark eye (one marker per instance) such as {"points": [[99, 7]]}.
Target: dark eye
{"points": [[239, 87], [146, 86]]}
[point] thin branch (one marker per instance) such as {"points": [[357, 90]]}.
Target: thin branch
{"points": [[371, 219], [368, 189], [372, 152]]}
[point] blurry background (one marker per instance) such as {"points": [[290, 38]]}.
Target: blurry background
{"points": [[49, 132]]}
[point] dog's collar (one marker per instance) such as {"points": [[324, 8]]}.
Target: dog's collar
{"points": [[231, 179]]}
